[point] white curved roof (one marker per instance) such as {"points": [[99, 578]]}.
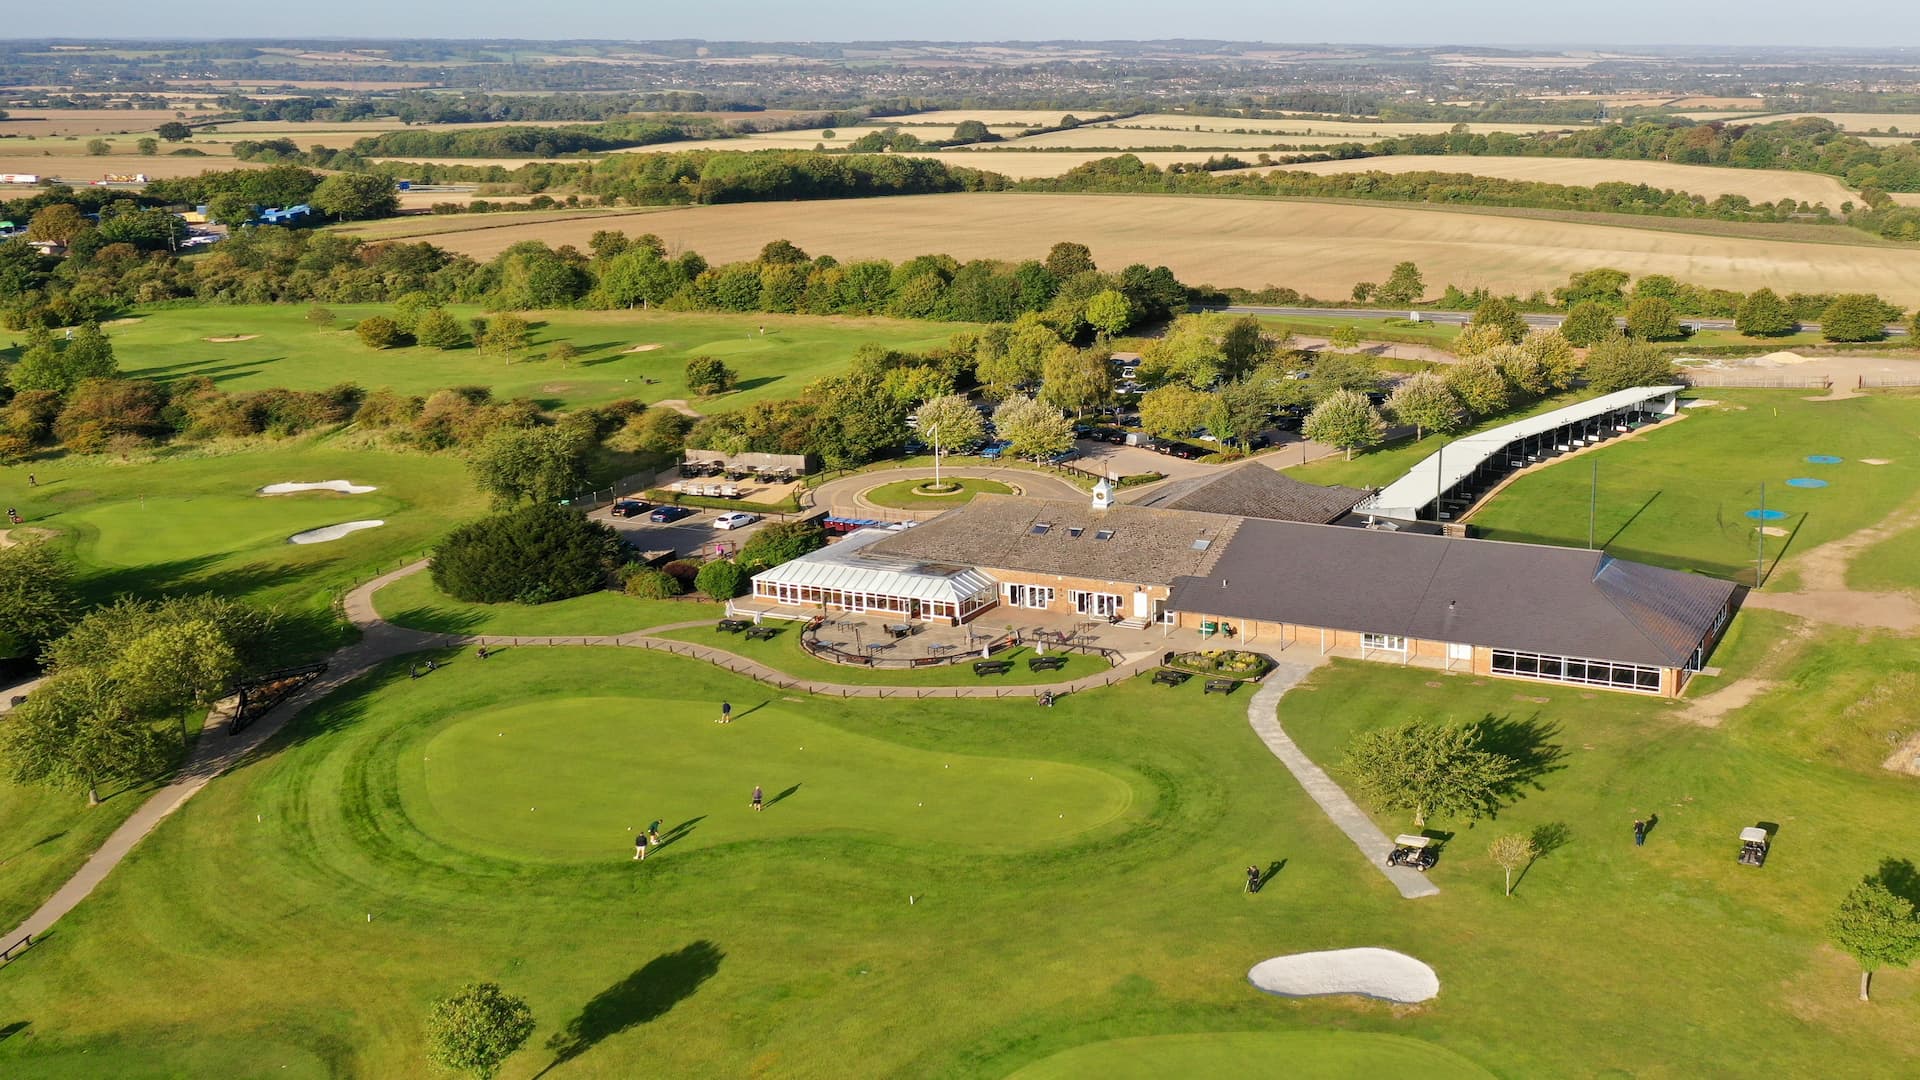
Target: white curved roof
{"points": [[845, 566], [1454, 462]]}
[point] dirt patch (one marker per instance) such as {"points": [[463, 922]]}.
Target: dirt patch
{"points": [[1842, 607], [1774, 530], [22, 535], [678, 405], [1824, 568], [1699, 403], [648, 347], [232, 338], [556, 388], [1709, 709], [1876, 461], [1906, 759]]}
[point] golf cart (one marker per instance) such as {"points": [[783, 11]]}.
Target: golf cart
{"points": [[1753, 846], [1415, 851]]}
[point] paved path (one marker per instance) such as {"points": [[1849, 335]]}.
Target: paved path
{"points": [[1263, 714]]}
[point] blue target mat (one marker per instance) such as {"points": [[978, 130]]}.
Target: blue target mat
{"points": [[1806, 482], [1824, 459], [1766, 515]]}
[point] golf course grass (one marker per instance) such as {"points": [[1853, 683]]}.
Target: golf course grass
{"points": [[1323, 1055], [1678, 494], [588, 769], [282, 349], [784, 653], [902, 494], [414, 602]]}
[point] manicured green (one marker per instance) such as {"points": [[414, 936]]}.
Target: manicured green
{"points": [[1677, 495], [783, 653], [565, 780], [289, 352], [414, 602], [1389, 461], [902, 495], [784, 941], [192, 518], [1324, 1055]]}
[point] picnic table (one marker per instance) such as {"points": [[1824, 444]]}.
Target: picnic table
{"points": [[899, 630], [942, 648], [992, 667], [762, 633], [1046, 663], [1221, 686], [732, 626], [1170, 677]]}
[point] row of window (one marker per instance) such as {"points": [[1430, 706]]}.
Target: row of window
{"points": [[807, 595], [1570, 669]]}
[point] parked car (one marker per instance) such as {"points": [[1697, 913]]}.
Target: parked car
{"points": [[738, 519], [629, 508], [1182, 450], [664, 514]]}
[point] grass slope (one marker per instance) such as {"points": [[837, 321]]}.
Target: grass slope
{"points": [[414, 602], [287, 351]]}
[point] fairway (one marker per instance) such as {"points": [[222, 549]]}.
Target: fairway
{"points": [[1322, 248], [1758, 185], [1322, 1055], [287, 351], [1678, 494], [574, 778]]}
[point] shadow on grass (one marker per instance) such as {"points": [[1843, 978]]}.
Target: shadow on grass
{"points": [[1528, 742], [436, 620], [1900, 878], [1631, 518], [1547, 839], [783, 795], [646, 995], [15, 1028]]}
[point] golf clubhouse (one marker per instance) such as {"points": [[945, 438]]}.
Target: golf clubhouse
{"points": [[1328, 578]]}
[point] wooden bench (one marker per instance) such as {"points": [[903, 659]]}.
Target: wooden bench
{"points": [[1046, 663], [762, 633], [992, 667], [732, 626], [1170, 677], [1221, 686]]}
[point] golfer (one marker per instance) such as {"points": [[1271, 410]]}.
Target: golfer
{"points": [[640, 846], [756, 796], [653, 833], [726, 713], [1253, 879]]}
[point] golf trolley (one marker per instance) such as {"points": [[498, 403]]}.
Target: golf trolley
{"points": [[1417, 852], [1753, 846]]}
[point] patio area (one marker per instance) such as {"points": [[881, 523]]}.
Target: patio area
{"points": [[895, 642]]}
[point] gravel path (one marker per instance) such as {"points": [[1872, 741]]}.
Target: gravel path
{"points": [[1263, 714]]}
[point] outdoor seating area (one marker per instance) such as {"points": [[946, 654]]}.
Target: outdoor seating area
{"points": [[1222, 686], [1046, 663], [762, 468], [762, 633], [732, 626], [992, 667], [1170, 677]]}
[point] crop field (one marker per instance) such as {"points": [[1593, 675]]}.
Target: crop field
{"points": [[86, 122], [1759, 185], [1344, 130], [1856, 123], [1094, 136], [623, 354], [1025, 166], [993, 118], [1322, 248], [81, 169]]}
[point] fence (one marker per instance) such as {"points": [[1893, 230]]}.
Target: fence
{"points": [[1756, 382], [262, 692], [1867, 382], [16, 948]]}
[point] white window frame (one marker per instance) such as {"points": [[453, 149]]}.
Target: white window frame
{"points": [[1393, 643]]}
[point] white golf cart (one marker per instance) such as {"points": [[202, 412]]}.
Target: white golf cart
{"points": [[1753, 846], [1415, 851]]}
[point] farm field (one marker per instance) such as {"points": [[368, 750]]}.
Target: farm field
{"points": [[1097, 136], [993, 118], [284, 350], [1758, 185], [409, 835], [1855, 123], [84, 122], [1026, 165], [1340, 130], [1678, 494], [415, 226], [81, 168], [1320, 248]]}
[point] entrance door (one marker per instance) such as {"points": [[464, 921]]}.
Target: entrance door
{"points": [[1142, 606]]}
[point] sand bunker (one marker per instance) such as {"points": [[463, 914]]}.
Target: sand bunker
{"points": [[1698, 403], [1374, 973], [1876, 461], [23, 534], [235, 337], [1774, 530], [332, 532], [342, 486], [649, 347]]}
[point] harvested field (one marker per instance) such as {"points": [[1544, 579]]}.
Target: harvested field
{"points": [[1338, 129], [1024, 166], [84, 121], [80, 169], [1020, 118], [1856, 123], [1321, 247], [1124, 139], [1760, 185]]}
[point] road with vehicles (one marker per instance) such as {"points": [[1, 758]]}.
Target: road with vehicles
{"points": [[1462, 318]]}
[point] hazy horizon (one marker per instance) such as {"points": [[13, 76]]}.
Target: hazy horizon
{"points": [[1496, 23]]}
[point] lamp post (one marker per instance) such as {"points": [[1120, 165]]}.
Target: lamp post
{"points": [[934, 430]]}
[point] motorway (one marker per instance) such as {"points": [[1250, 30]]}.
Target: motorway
{"points": [[1461, 318]]}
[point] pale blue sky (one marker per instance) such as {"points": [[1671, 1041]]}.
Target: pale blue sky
{"points": [[1864, 22]]}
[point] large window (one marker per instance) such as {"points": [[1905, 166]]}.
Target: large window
{"points": [[1383, 643], [1570, 669]]}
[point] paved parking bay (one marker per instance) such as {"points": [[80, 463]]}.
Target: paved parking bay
{"points": [[688, 536]]}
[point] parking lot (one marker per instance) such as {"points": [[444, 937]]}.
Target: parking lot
{"points": [[691, 535]]}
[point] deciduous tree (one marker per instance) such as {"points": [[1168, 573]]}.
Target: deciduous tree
{"points": [[1588, 322], [531, 554], [1876, 928], [721, 580], [1076, 380], [37, 597], [1620, 362], [1345, 420], [1854, 317], [1428, 769], [1494, 311], [439, 330], [355, 196], [708, 375], [379, 332], [1033, 428], [1173, 411], [476, 1029], [1065, 259], [1109, 312], [1510, 853], [1402, 288], [531, 464], [951, 421], [1763, 314], [74, 731], [1650, 318], [1424, 401], [1480, 385]]}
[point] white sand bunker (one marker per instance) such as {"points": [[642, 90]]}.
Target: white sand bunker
{"points": [[648, 347], [341, 486], [1698, 403], [332, 532], [232, 338], [1374, 973], [1876, 461]]}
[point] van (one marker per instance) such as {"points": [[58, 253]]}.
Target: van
{"points": [[1139, 438]]}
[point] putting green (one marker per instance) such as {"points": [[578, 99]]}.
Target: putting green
{"points": [[138, 532], [573, 778], [1323, 1055]]}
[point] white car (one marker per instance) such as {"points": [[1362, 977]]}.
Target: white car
{"points": [[738, 519]]}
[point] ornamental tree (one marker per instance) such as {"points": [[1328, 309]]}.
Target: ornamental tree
{"points": [[1429, 769], [1033, 428], [1345, 420], [1764, 314], [1425, 402], [1876, 928], [477, 1028]]}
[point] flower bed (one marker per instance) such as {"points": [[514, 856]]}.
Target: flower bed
{"points": [[1236, 664]]}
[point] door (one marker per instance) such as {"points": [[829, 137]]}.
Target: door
{"points": [[1016, 595], [1142, 606], [1456, 651]]}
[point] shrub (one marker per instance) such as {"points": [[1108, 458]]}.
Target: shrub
{"points": [[782, 542], [14, 449], [533, 554], [684, 571], [439, 330], [379, 332], [707, 375], [721, 580], [650, 583]]}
